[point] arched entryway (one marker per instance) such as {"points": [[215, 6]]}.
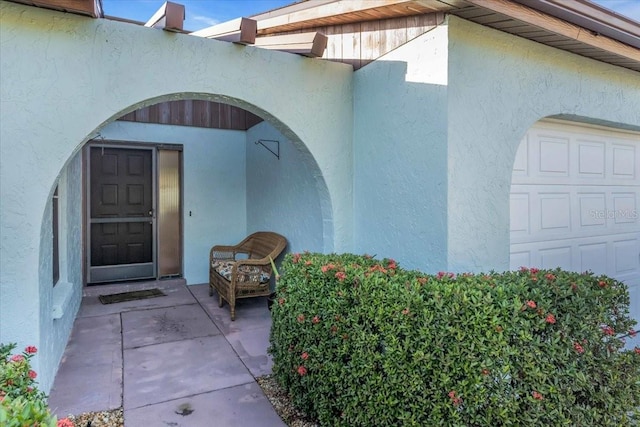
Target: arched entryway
{"points": [[56, 110]]}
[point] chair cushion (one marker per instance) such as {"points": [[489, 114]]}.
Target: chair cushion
{"points": [[246, 273]]}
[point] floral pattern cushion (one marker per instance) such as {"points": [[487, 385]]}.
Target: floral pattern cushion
{"points": [[247, 273]]}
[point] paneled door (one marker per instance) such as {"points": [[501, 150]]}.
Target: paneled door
{"points": [[121, 214]]}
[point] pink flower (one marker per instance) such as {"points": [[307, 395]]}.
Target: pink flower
{"points": [[637, 350], [392, 264], [308, 262], [537, 396], [281, 301], [17, 358], [485, 372], [31, 349], [65, 422], [534, 270], [608, 330], [602, 284], [296, 258], [550, 318], [632, 333], [524, 269], [315, 320], [578, 348], [302, 370], [405, 311], [32, 374], [304, 355], [550, 277], [300, 318], [531, 304], [454, 399], [340, 275]]}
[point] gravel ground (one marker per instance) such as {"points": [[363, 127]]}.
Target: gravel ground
{"points": [[113, 418], [282, 404], [278, 398]]}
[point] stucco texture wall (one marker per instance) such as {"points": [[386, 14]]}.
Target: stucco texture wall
{"points": [[65, 76], [287, 194], [400, 149], [214, 185], [59, 305], [500, 85]]}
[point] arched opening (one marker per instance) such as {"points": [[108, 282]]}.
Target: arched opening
{"points": [[237, 172], [575, 201]]}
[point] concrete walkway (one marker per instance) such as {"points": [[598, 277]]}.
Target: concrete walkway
{"points": [[175, 360]]}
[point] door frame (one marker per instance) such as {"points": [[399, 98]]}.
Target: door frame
{"points": [[88, 220]]}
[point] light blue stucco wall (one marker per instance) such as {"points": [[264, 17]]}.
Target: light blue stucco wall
{"points": [[500, 85], [437, 125], [63, 77], [400, 163], [59, 305], [214, 184], [287, 194]]}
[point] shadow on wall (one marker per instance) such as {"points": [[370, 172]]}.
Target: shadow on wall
{"points": [[400, 173], [284, 191]]}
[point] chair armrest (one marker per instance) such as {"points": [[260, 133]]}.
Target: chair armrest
{"points": [[222, 252]]}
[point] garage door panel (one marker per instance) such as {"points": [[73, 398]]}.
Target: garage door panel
{"points": [[626, 253], [555, 212], [556, 257], [520, 259], [625, 208], [593, 257], [589, 204], [521, 164], [521, 223], [591, 159], [581, 186], [625, 161], [553, 156]]}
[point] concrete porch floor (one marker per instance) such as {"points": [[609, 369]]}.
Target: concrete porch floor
{"points": [[154, 356]]}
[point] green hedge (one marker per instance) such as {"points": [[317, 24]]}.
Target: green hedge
{"points": [[361, 342]]}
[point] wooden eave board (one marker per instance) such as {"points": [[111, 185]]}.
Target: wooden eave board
{"points": [[81, 7], [520, 28], [378, 13]]}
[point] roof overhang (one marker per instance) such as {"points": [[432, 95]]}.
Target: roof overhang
{"points": [[92, 8], [577, 26]]}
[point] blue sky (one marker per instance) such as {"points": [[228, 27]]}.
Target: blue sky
{"points": [[204, 13]]}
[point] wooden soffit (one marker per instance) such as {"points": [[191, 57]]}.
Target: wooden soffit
{"points": [[576, 26]]}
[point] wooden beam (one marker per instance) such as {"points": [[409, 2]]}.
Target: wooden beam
{"points": [[170, 17], [558, 26], [311, 44], [241, 30], [92, 8]]}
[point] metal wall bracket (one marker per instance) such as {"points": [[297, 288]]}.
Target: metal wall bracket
{"points": [[277, 150]]}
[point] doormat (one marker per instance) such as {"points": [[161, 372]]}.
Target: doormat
{"points": [[131, 296]]}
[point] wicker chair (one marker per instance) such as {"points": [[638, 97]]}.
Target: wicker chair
{"points": [[245, 276]]}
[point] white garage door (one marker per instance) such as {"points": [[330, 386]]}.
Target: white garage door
{"points": [[575, 202]]}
